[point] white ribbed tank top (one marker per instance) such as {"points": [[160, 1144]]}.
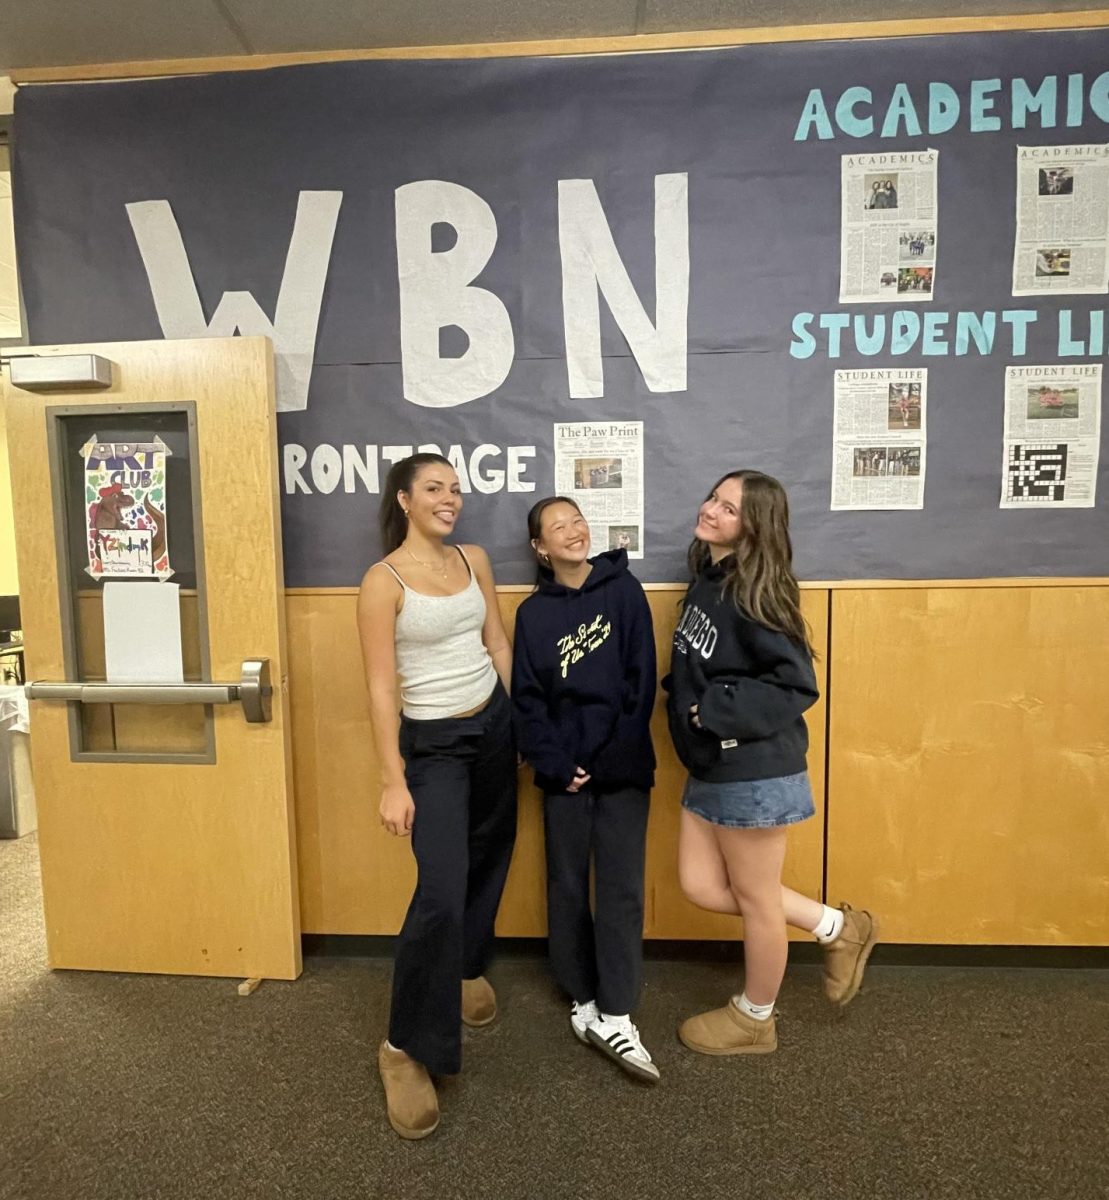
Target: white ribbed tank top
{"points": [[442, 662]]}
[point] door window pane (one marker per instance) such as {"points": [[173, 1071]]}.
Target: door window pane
{"points": [[125, 481]]}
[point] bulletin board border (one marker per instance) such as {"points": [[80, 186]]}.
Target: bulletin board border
{"points": [[710, 39], [809, 585]]}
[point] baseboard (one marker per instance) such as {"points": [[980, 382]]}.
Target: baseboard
{"points": [[667, 950]]}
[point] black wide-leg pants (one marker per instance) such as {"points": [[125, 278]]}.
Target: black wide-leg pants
{"points": [[597, 953], [461, 772]]}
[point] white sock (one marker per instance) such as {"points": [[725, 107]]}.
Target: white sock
{"points": [[615, 1016], [830, 925], [761, 1012], [389, 1045]]}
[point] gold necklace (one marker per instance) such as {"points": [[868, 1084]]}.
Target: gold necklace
{"points": [[439, 570]]}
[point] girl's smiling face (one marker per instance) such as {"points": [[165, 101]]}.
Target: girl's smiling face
{"points": [[718, 518], [564, 535], [435, 500]]}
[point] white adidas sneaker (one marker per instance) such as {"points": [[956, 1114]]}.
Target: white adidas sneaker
{"points": [[581, 1017], [619, 1039]]}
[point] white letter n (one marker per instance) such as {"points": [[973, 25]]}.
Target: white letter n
{"points": [[592, 264]]}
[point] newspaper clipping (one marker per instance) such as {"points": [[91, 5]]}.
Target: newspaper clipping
{"points": [[888, 226], [1052, 436], [1062, 220], [879, 439], [600, 465]]}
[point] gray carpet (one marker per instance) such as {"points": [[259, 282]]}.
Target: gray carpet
{"points": [[936, 1083]]}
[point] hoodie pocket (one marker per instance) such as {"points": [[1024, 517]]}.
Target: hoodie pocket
{"points": [[697, 749]]}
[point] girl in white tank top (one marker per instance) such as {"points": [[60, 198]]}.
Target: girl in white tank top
{"points": [[443, 664], [428, 617]]}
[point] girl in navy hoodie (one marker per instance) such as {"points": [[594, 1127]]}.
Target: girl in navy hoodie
{"points": [[741, 676], [583, 687]]}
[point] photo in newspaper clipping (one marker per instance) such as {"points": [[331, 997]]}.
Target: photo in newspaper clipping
{"points": [[600, 466]]}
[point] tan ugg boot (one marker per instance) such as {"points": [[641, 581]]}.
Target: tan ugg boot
{"points": [[845, 958], [728, 1031], [479, 1002], [410, 1098]]}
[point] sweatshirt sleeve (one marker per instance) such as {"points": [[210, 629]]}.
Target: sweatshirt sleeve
{"points": [[536, 737], [757, 706], [640, 681]]}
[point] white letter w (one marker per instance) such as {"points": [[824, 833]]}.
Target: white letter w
{"points": [[297, 316]]}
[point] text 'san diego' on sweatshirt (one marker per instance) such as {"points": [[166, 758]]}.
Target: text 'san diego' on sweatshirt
{"points": [[751, 686]]}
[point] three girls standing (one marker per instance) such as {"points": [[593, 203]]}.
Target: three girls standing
{"points": [[583, 689]]}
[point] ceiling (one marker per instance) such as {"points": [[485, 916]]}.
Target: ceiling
{"points": [[61, 33]]}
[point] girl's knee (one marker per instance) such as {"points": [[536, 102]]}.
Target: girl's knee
{"points": [[755, 904], [705, 895]]}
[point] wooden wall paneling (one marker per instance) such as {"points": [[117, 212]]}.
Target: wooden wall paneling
{"points": [[969, 766], [356, 878], [523, 911]]}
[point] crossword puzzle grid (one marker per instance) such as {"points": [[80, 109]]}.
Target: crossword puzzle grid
{"points": [[1037, 472]]}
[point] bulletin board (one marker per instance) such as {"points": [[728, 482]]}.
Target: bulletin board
{"points": [[877, 270]]}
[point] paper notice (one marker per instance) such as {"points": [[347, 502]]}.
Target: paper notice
{"points": [[142, 633]]}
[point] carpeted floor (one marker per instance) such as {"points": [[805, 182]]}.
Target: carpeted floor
{"points": [[936, 1083]]}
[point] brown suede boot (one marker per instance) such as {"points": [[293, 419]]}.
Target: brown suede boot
{"points": [[845, 958], [479, 1002], [410, 1098], [728, 1031]]}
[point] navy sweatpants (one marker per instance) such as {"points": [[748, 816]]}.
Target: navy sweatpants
{"points": [[597, 954], [461, 772]]}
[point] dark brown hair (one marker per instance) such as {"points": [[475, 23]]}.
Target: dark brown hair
{"points": [[402, 475], [760, 580]]}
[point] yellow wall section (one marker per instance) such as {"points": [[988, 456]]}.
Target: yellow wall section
{"points": [[969, 773], [968, 768], [356, 878]]}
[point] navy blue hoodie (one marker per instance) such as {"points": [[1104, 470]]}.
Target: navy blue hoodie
{"points": [[751, 685], [583, 679]]}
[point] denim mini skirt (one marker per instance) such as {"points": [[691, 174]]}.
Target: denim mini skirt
{"points": [[751, 803]]}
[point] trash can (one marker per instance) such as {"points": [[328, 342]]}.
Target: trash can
{"points": [[17, 793]]}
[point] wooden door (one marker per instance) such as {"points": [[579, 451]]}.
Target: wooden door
{"points": [[166, 833]]}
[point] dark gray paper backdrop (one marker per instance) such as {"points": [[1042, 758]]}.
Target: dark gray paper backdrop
{"points": [[231, 153]]}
